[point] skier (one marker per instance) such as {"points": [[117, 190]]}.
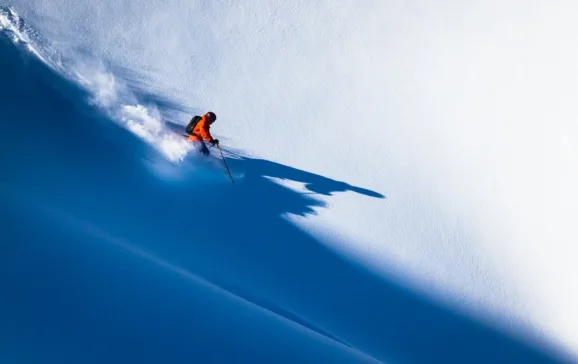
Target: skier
{"points": [[198, 131]]}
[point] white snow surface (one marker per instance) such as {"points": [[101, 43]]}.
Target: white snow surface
{"points": [[462, 114]]}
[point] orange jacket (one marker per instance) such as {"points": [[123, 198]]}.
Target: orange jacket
{"points": [[201, 131]]}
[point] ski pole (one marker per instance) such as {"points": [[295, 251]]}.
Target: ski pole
{"points": [[224, 161]]}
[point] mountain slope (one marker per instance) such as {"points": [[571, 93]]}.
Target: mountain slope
{"points": [[101, 190]]}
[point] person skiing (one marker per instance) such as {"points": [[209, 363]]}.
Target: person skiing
{"points": [[198, 130]]}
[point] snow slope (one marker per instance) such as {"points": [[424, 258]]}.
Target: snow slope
{"points": [[451, 239], [75, 288]]}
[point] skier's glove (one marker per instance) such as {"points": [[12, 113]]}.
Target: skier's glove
{"points": [[214, 142]]}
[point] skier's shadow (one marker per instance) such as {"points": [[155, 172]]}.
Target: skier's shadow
{"points": [[312, 182]]}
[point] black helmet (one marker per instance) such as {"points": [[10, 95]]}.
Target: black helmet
{"points": [[211, 116]]}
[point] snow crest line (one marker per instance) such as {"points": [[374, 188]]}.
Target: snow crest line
{"points": [[23, 34], [108, 93]]}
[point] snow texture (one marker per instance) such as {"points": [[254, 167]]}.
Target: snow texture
{"points": [[405, 181]]}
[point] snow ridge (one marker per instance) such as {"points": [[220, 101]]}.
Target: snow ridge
{"points": [[21, 33]]}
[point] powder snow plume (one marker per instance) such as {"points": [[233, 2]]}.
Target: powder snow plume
{"points": [[107, 92]]}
